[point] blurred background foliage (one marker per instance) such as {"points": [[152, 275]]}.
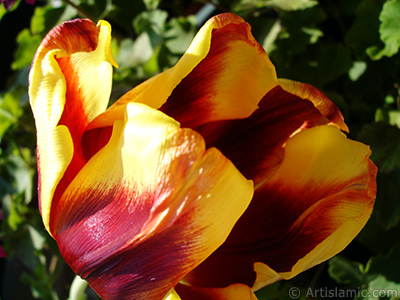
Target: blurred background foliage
{"points": [[348, 49]]}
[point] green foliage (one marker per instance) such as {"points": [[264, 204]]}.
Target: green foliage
{"points": [[379, 279], [364, 32], [9, 111], [345, 271], [349, 49], [26, 50], [389, 30], [3, 10]]}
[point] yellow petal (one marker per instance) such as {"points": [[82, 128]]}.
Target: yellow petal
{"points": [[223, 75], [70, 82], [153, 193], [311, 208], [321, 159], [264, 276], [306, 91], [172, 295]]}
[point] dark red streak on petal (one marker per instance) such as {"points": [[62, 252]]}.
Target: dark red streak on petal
{"points": [[95, 139], [72, 36], [266, 232], [147, 271], [94, 236], [324, 104], [254, 144], [191, 102], [99, 224]]}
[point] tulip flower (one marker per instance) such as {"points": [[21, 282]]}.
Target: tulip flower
{"points": [[207, 181]]}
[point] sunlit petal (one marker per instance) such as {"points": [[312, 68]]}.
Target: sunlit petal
{"points": [[148, 207], [223, 75], [316, 202], [256, 144], [318, 98], [70, 84]]}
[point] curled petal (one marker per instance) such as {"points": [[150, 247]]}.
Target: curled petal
{"points": [[223, 75], [229, 82], [70, 84], [264, 276], [148, 207], [316, 202], [318, 98], [256, 144]]}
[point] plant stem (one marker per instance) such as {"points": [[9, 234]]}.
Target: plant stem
{"points": [[81, 11]]}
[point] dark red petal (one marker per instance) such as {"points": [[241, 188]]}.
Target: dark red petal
{"points": [[254, 144]]}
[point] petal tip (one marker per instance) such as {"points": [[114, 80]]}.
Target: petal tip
{"points": [[105, 41]]}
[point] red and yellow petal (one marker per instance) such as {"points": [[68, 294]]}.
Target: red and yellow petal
{"points": [[316, 202], [229, 82], [223, 75], [256, 144], [148, 207], [306, 91], [70, 84]]}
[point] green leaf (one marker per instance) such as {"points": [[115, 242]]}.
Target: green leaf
{"points": [[22, 174], [9, 111], [180, 34], [39, 280], [27, 46], [346, 272], [24, 248], [151, 4], [284, 5], [386, 264], [152, 66], [384, 140], [3, 10], [98, 9], [357, 70], [36, 237], [151, 20], [384, 276], [380, 288], [390, 116], [38, 20], [389, 30], [123, 14], [271, 36], [319, 65], [13, 215], [289, 5], [364, 31], [135, 53], [298, 30]]}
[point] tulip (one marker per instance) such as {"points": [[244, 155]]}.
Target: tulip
{"points": [[207, 181]]}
